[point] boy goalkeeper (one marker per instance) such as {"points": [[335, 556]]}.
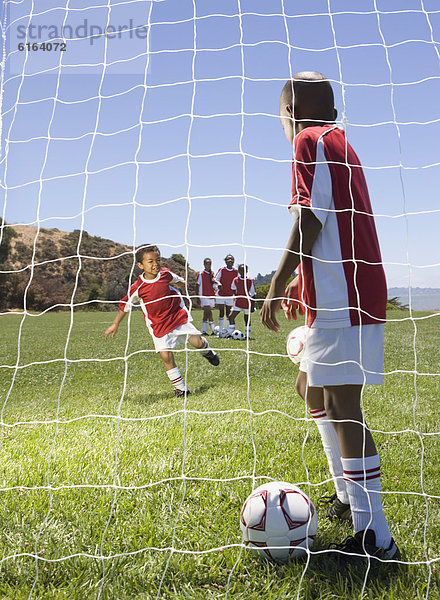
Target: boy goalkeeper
{"points": [[166, 316], [341, 285]]}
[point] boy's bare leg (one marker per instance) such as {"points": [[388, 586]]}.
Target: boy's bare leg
{"points": [[343, 402], [173, 372], [197, 341], [221, 314], [314, 396], [168, 359], [360, 461], [232, 316]]}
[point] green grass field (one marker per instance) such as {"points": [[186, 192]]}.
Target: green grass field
{"points": [[111, 488]]}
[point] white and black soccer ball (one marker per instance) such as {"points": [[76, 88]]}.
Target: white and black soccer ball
{"points": [[238, 335], [295, 343], [217, 330], [278, 521]]}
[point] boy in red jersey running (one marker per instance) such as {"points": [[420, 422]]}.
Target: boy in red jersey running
{"points": [[165, 314], [244, 290], [342, 288], [225, 276], [207, 289]]}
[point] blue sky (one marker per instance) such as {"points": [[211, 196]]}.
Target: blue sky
{"points": [[196, 160]]}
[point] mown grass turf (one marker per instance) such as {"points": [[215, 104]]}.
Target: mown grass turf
{"points": [[112, 488]]}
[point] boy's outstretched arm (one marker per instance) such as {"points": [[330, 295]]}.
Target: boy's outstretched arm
{"points": [[302, 237], [114, 326]]}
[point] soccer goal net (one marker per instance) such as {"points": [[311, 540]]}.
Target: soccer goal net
{"points": [[128, 123]]}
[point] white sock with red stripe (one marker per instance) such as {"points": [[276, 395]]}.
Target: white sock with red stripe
{"points": [[332, 449], [362, 476], [204, 327], [177, 379]]}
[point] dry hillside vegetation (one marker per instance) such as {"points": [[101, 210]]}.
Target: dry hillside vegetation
{"points": [[103, 268]]}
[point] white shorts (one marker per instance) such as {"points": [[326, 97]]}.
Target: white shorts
{"points": [[175, 338], [226, 300], [333, 356], [207, 302], [245, 311]]}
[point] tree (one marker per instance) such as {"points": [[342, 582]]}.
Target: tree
{"points": [[261, 292], [396, 304], [179, 258]]}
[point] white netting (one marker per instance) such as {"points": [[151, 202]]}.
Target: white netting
{"points": [[157, 121]]}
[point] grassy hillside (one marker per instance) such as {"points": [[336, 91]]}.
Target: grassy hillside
{"points": [[103, 268]]}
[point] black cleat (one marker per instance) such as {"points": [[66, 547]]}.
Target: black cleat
{"points": [[212, 357], [337, 509], [355, 549], [182, 393]]}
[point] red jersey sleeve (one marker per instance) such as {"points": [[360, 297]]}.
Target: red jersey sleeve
{"points": [[172, 277], [131, 298], [176, 278]]}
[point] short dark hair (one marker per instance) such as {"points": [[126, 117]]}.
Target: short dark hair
{"points": [[311, 93], [141, 250], [229, 255]]}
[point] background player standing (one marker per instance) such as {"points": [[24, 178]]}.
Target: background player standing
{"points": [[225, 276], [342, 286], [165, 314], [207, 290], [244, 291]]}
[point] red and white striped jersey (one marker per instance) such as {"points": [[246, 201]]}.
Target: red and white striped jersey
{"points": [[204, 281], [343, 282], [226, 276], [241, 296], [162, 305]]}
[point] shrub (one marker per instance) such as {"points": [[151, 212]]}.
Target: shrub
{"points": [[179, 258]]}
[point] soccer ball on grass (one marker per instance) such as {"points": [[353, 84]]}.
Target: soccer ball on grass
{"points": [[238, 335], [278, 521]]}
